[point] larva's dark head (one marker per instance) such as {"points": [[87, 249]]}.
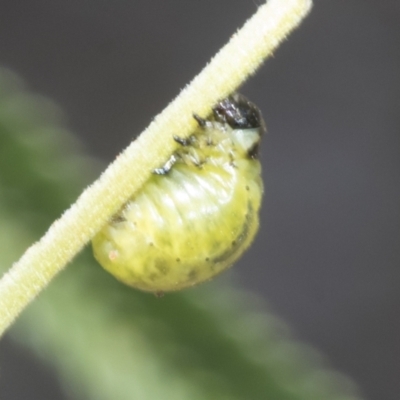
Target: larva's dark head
{"points": [[239, 113], [245, 119]]}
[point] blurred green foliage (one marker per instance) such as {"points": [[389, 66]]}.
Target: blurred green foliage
{"points": [[111, 342]]}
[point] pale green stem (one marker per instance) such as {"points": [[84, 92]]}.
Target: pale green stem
{"points": [[68, 235]]}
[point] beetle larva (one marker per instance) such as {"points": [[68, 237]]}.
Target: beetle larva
{"points": [[197, 213]]}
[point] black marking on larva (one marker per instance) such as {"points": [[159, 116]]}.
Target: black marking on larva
{"points": [[117, 218], [209, 141], [153, 277], [233, 164], [192, 275], [254, 151], [185, 142], [162, 266], [201, 121], [232, 160], [199, 163]]}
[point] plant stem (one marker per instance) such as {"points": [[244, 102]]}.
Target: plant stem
{"points": [[68, 235]]}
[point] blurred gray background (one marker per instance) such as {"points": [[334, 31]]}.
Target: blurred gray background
{"points": [[327, 257]]}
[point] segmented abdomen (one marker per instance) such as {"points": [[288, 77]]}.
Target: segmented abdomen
{"points": [[183, 227]]}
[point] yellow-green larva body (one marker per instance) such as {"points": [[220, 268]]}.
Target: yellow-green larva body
{"points": [[194, 217]]}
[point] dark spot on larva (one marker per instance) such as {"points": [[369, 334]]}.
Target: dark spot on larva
{"points": [[207, 259], [197, 163], [151, 244], [192, 275], [232, 160], [117, 219], [161, 266], [178, 260], [233, 243], [247, 188], [253, 151], [153, 277]]}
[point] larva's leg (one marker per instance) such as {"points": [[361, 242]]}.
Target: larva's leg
{"points": [[201, 121], [207, 126], [166, 167], [184, 141], [188, 155]]}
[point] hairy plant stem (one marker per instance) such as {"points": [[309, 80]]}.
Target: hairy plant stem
{"points": [[232, 65]]}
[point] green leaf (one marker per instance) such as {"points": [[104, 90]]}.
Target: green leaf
{"points": [[111, 342]]}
